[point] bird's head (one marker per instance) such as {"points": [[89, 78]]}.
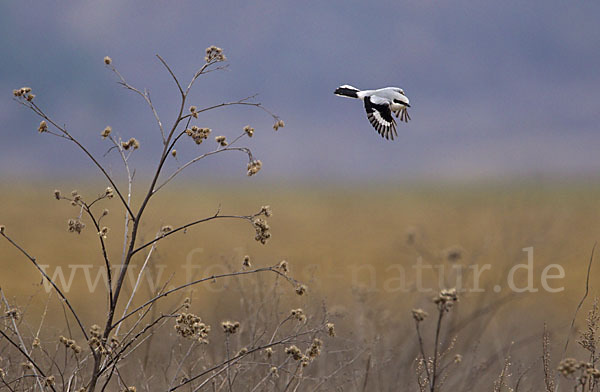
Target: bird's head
{"points": [[401, 98]]}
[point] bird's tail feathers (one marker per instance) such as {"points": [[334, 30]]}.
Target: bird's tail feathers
{"points": [[347, 91]]}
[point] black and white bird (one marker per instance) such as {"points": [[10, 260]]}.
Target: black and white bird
{"points": [[379, 105]]}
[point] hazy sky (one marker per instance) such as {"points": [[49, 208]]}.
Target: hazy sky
{"points": [[497, 88]]}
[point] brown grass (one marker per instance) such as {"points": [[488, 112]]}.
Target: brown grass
{"points": [[336, 240]]}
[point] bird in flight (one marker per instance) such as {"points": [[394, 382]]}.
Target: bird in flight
{"points": [[379, 105]]}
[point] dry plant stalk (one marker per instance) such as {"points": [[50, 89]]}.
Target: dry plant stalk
{"points": [[429, 370], [109, 344]]}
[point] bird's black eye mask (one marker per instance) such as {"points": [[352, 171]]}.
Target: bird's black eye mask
{"points": [[401, 103]]}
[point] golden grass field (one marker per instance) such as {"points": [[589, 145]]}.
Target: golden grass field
{"points": [[347, 243]]}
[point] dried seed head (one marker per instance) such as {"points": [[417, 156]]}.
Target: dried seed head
{"points": [[190, 326], [30, 97], [107, 60], [446, 299], [315, 348], [221, 140], [330, 329], [305, 361], [254, 167], [174, 153], [103, 232], [214, 54], [298, 314], [419, 314], [75, 225], [2, 229], [26, 365], [230, 327], [95, 331], [109, 192], [593, 372], [269, 352], [568, 366], [262, 230], [249, 130], [49, 381], [198, 134], [13, 314], [294, 352], [104, 212], [43, 127], [301, 289], [165, 229], [36, 342], [243, 351], [266, 211], [77, 198], [283, 266], [246, 262], [131, 143], [274, 372], [106, 132], [278, 124], [57, 194], [458, 358]]}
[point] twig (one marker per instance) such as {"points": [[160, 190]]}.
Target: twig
{"points": [[422, 348], [210, 278], [66, 301], [145, 95], [172, 75], [40, 113], [26, 355], [191, 162], [587, 289], [436, 349], [240, 356], [216, 216], [136, 285]]}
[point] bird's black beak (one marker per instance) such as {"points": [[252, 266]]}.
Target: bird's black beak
{"points": [[407, 105]]}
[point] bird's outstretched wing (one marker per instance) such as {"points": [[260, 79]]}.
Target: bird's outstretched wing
{"points": [[403, 113], [380, 116]]}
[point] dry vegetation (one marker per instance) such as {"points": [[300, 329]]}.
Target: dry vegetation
{"points": [[330, 302]]}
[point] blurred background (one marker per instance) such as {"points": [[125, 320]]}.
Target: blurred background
{"points": [[497, 89]]}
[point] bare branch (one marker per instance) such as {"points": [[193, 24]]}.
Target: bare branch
{"points": [[172, 74], [273, 269], [96, 223], [41, 270], [67, 135], [145, 95], [235, 359], [191, 162], [26, 355]]}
